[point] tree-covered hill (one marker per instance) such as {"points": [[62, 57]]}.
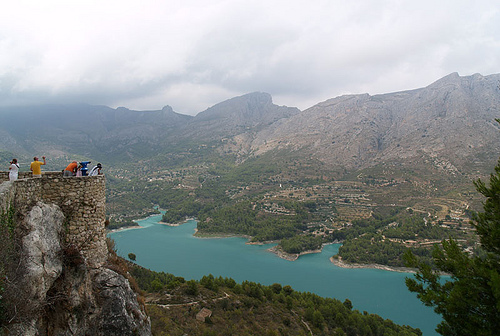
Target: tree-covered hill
{"points": [[249, 308]]}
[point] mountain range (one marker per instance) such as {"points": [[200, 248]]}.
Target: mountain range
{"points": [[448, 126]]}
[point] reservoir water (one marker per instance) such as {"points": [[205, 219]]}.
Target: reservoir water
{"points": [[175, 250]]}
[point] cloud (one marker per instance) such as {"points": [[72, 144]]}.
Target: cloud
{"points": [[193, 54]]}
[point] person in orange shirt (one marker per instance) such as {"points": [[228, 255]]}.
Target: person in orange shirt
{"points": [[35, 166], [71, 169]]}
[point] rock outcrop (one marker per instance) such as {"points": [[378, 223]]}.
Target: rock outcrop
{"points": [[54, 285]]}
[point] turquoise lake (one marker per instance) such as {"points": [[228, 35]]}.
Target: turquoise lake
{"points": [[175, 250]]}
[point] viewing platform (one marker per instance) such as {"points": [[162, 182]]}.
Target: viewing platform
{"points": [[82, 200]]}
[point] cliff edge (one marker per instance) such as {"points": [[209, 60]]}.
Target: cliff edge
{"points": [[58, 276]]}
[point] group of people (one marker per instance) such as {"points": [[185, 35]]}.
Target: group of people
{"points": [[73, 169]]}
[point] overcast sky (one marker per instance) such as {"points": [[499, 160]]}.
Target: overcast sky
{"points": [[192, 54]]}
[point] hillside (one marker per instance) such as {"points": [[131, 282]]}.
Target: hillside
{"points": [[249, 308], [59, 131]]}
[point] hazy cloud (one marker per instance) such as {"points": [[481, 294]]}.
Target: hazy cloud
{"points": [[192, 54]]}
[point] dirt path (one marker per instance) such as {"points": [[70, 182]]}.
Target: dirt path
{"points": [[187, 303]]}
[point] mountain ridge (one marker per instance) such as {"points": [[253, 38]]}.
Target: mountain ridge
{"points": [[451, 119], [364, 129]]}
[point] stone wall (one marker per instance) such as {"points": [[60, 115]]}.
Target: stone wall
{"points": [[6, 195], [4, 176], [81, 199]]}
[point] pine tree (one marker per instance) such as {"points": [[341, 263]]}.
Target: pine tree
{"points": [[469, 302]]}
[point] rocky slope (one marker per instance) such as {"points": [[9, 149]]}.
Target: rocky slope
{"points": [[240, 115], [450, 122]]}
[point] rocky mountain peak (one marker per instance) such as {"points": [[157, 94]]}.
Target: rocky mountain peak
{"points": [[167, 108], [453, 78], [452, 117], [237, 115], [248, 107]]}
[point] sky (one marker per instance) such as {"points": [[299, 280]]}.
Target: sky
{"points": [[193, 54]]}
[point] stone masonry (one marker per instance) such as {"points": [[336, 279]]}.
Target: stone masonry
{"points": [[81, 199]]}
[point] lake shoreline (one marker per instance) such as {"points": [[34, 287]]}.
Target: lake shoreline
{"points": [[291, 256], [294, 256], [337, 261], [124, 228], [175, 224], [137, 226], [175, 250]]}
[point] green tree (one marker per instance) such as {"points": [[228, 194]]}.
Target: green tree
{"points": [[318, 319], [156, 285], [192, 288], [470, 301], [132, 256], [288, 290], [348, 304]]}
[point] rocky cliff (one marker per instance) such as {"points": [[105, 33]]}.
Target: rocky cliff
{"points": [[58, 276]]}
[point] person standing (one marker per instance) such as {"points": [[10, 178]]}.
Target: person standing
{"points": [[35, 166], [13, 170], [71, 169]]}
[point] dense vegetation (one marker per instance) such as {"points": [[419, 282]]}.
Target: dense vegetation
{"points": [[247, 218], [250, 308], [374, 249], [470, 302], [375, 240], [298, 244], [249, 198]]}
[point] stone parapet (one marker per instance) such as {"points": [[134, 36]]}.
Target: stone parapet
{"points": [[4, 176], [81, 199]]}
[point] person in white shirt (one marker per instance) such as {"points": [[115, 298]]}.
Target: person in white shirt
{"points": [[96, 170], [13, 170]]}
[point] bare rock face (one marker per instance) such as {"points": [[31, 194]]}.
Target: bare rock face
{"points": [[118, 304], [59, 294], [42, 249], [450, 122], [235, 116], [41, 262]]}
